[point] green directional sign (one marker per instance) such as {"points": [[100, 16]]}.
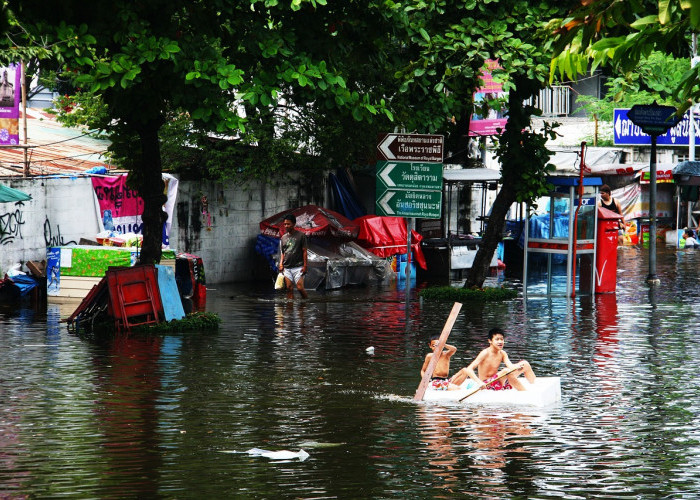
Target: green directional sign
{"points": [[409, 203], [402, 175]]}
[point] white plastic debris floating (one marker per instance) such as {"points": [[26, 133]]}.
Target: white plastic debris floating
{"points": [[278, 455], [544, 392], [370, 350]]}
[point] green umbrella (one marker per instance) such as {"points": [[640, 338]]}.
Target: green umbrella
{"points": [[8, 194]]}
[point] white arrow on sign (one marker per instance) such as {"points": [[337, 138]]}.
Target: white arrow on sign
{"points": [[384, 147], [384, 202], [385, 175]]}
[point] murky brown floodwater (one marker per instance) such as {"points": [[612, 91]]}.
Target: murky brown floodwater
{"points": [[162, 417]]}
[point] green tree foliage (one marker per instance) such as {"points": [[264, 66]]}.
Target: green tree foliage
{"points": [[228, 65], [242, 69], [620, 35], [454, 39], [654, 79]]}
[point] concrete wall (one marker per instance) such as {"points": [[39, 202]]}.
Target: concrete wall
{"points": [[225, 237], [63, 210]]}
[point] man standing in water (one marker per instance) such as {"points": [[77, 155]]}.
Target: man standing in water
{"points": [[293, 256]]}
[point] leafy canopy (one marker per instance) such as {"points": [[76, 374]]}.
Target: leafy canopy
{"points": [[622, 34], [655, 79], [229, 74], [453, 40]]}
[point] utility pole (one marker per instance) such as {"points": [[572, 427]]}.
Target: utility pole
{"points": [[24, 116], [691, 128]]}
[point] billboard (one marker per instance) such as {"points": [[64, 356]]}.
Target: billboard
{"points": [[10, 92], [495, 120]]}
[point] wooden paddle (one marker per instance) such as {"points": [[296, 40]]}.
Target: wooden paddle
{"points": [[501, 374], [438, 352]]}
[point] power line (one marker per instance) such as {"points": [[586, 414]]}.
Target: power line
{"points": [[69, 157], [62, 140]]}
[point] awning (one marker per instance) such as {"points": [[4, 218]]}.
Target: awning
{"points": [[600, 161], [471, 175], [386, 236], [687, 173], [8, 195]]}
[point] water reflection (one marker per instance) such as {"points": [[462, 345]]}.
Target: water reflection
{"points": [[606, 354], [494, 447], [150, 417], [438, 427], [127, 379]]}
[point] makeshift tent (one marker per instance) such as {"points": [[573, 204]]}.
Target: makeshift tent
{"points": [[686, 175], [331, 262], [333, 259], [9, 195], [599, 161], [12, 288], [336, 264], [313, 221], [386, 236]]}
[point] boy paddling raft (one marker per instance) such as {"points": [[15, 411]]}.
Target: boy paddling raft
{"points": [[440, 379], [487, 364], [436, 366], [489, 361]]}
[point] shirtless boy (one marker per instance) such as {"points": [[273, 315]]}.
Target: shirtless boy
{"points": [[489, 361], [440, 379]]}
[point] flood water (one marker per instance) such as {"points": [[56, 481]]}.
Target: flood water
{"points": [[173, 416]]}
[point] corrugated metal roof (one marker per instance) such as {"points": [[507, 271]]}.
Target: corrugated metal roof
{"points": [[53, 149]]}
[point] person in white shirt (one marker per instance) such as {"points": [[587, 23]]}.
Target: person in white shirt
{"points": [[689, 237]]}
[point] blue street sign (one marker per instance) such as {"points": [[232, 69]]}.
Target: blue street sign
{"points": [[626, 133]]}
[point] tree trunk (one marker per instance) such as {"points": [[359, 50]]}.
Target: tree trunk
{"points": [[512, 151], [491, 237], [149, 183]]}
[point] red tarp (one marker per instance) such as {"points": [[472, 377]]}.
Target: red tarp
{"points": [[313, 221], [386, 236]]}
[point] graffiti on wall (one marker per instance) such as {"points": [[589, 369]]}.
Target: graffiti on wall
{"points": [[54, 240], [11, 225]]}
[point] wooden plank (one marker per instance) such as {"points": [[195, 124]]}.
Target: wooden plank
{"points": [[38, 269], [79, 282], [438, 351], [75, 287]]}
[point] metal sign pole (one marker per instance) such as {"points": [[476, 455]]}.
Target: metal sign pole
{"points": [[654, 120], [409, 227], [652, 279]]}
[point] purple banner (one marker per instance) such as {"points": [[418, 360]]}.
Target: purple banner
{"points": [[10, 91]]}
